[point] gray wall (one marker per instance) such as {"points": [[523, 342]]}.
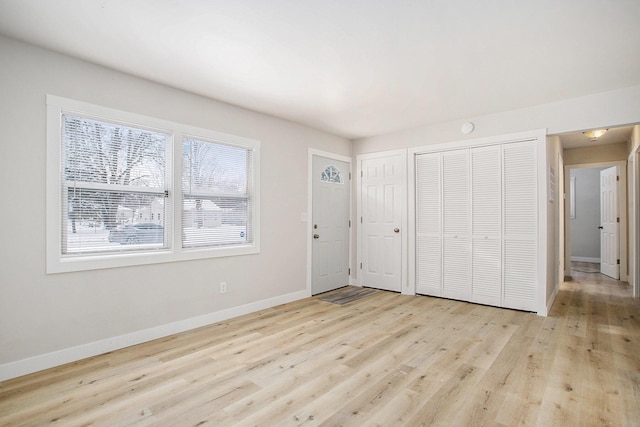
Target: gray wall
{"points": [[585, 236], [59, 315]]}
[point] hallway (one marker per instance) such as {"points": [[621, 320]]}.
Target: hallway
{"points": [[586, 278]]}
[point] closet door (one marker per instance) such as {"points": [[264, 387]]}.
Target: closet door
{"points": [[486, 223], [520, 225], [456, 233], [428, 224]]}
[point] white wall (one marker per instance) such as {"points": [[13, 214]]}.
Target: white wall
{"points": [[607, 109], [48, 319], [585, 236], [596, 154], [634, 209], [554, 202]]}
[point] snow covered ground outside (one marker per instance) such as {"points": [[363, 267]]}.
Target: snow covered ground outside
{"points": [[90, 240]]}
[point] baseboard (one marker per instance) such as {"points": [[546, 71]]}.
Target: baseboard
{"points": [[585, 259], [73, 354], [550, 300]]}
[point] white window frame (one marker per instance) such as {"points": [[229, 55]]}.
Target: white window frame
{"points": [[56, 263]]}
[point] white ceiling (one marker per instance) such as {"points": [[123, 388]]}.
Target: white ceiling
{"points": [[351, 67]]}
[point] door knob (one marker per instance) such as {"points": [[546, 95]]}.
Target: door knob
{"points": [[316, 236], [396, 230], [600, 227]]}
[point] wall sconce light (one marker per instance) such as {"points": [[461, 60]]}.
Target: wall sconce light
{"points": [[594, 134]]}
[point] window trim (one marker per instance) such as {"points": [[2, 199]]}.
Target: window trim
{"points": [[56, 263]]}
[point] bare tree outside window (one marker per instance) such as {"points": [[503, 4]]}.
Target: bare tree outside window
{"points": [[216, 194], [111, 173]]}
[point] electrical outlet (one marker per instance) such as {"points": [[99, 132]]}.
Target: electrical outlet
{"points": [[223, 287]]}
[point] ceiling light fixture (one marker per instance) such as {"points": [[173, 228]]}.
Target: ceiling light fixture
{"points": [[594, 134]]}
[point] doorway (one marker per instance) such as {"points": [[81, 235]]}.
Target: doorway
{"points": [[583, 235], [382, 220], [330, 222]]}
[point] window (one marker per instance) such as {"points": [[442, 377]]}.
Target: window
{"points": [[331, 174], [112, 176], [125, 189], [216, 194]]}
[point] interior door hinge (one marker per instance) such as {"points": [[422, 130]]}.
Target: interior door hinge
{"points": [[360, 266], [361, 174], [360, 220], [349, 176], [166, 193], [617, 177], [349, 223], [618, 262], [349, 272], [618, 219]]}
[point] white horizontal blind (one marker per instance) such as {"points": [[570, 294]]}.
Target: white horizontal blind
{"points": [[114, 187], [217, 187]]}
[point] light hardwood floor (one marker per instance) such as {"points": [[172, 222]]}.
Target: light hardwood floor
{"points": [[385, 360]]}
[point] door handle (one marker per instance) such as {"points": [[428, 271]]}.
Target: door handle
{"points": [[600, 227], [316, 236], [396, 230]]}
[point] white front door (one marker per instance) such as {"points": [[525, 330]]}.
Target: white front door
{"points": [[382, 189], [609, 226], [330, 224]]}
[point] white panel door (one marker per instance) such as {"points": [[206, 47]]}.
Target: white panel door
{"points": [[383, 198], [456, 225], [330, 219], [486, 224], [428, 224], [609, 226], [520, 230]]}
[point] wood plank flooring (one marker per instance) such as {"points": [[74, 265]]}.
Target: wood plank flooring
{"points": [[383, 360]]}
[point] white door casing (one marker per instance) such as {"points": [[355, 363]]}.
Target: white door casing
{"points": [[382, 211], [609, 226], [329, 224]]}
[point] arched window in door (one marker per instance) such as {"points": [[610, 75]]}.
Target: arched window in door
{"points": [[331, 174]]}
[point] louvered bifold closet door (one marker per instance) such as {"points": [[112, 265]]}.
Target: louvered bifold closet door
{"points": [[428, 224], [520, 225], [486, 223], [456, 236]]}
